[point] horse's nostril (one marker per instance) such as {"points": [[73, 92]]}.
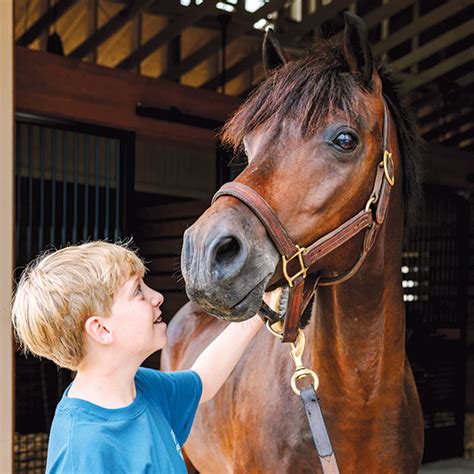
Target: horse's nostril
{"points": [[226, 250]]}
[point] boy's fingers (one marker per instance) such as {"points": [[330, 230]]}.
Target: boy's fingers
{"points": [[272, 298]]}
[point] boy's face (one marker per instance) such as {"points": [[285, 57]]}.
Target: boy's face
{"points": [[136, 319]]}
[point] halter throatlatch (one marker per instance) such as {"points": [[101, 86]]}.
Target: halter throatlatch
{"points": [[299, 264]]}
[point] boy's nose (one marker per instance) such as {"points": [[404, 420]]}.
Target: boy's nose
{"points": [[157, 299]]}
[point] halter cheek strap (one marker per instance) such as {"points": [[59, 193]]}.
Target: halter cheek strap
{"points": [[299, 264]]}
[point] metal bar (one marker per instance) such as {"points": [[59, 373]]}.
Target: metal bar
{"points": [[85, 229], [18, 191], [107, 188], [96, 201], [51, 16], [29, 231], [117, 191], [75, 164], [52, 233], [41, 166], [64, 219]]}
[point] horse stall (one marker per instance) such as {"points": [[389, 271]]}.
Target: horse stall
{"points": [[117, 108]]}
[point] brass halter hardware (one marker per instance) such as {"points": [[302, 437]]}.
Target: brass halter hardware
{"points": [[303, 269], [390, 178]]}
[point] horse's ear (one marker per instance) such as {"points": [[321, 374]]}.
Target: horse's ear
{"points": [[356, 47], [272, 52]]}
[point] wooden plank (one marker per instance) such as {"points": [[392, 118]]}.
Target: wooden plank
{"points": [[170, 265], [151, 230], [165, 211], [164, 283], [94, 94], [442, 68], [47, 19], [440, 42], [422, 23], [234, 31], [171, 31], [158, 247], [110, 27]]}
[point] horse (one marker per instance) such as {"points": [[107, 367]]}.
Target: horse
{"points": [[313, 134]]}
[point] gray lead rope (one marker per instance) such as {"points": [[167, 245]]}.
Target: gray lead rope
{"points": [[318, 430]]}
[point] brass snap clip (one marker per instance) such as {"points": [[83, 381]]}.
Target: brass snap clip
{"points": [[301, 371]]}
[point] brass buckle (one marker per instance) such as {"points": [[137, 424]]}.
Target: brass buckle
{"points": [[299, 254], [384, 163]]}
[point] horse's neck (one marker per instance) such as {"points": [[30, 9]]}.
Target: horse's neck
{"points": [[358, 331]]}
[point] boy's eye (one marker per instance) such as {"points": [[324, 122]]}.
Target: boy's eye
{"points": [[138, 290]]}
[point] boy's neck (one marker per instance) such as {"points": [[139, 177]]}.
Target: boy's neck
{"points": [[106, 387]]}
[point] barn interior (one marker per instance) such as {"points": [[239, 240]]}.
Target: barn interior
{"points": [[117, 109]]}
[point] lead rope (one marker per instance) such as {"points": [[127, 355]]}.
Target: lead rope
{"points": [[310, 400]]}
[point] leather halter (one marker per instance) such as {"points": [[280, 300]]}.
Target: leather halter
{"points": [[298, 264]]}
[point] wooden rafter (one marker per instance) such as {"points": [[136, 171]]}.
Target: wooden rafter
{"points": [[48, 18], [309, 23], [448, 125], [170, 32], [235, 30], [437, 44], [110, 27], [422, 23], [465, 132], [441, 68]]}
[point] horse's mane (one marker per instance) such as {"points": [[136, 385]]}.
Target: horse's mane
{"points": [[307, 90]]}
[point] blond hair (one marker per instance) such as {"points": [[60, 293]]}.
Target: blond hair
{"points": [[58, 292]]}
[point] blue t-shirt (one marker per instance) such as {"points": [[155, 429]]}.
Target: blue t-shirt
{"points": [[144, 437]]}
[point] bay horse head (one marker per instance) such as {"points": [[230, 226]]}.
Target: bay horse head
{"points": [[314, 135]]}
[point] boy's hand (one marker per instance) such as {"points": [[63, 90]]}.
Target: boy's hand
{"points": [[272, 298]]}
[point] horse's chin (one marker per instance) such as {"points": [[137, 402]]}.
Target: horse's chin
{"points": [[246, 308]]}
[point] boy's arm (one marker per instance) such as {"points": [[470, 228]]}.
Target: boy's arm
{"points": [[218, 360]]}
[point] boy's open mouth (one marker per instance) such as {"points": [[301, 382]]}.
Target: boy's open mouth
{"points": [[159, 319]]}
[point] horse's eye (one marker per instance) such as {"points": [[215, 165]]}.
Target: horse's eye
{"points": [[345, 141]]}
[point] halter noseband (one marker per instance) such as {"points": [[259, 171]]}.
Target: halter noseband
{"points": [[298, 263]]}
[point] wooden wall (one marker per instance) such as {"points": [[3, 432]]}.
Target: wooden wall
{"points": [[159, 238]]}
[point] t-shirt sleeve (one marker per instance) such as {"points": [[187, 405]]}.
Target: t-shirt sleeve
{"points": [[180, 393]]}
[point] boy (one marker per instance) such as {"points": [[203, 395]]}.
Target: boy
{"points": [[87, 308]]}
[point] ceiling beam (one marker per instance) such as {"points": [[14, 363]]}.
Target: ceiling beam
{"points": [[441, 68], [445, 125], [422, 23], [311, 22], [463, 133], [432, 47], [110, 27], [171, 31], [41, 25], [234, 30]]}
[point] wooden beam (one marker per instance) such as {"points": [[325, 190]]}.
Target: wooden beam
{"points": [[310, 22], [442, 125], [94, 94], [41, 25], [440, 69], [234, 31], [110, 27], [7, 216], [437, 44], [463, 133], [422, 23], [234, 71], [171, 31]]}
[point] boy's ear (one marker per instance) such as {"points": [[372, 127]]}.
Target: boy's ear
{"points": [[272, 52], [97, 328]]}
